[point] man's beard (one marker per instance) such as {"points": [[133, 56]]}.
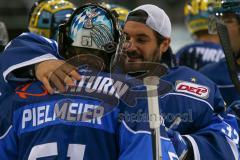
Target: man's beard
{"points": [[156, 56], [139, 68]]}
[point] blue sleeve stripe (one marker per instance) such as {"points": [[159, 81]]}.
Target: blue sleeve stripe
{"points": [[231, 115], [228, 114], [141, 131], [220, 117], [48, 40], [195, 147], [226, 86], [5, 134], [56, 43], [9, 43], [184, 95], [26, 63], [135, 132], [27, 34], [233, 148]]}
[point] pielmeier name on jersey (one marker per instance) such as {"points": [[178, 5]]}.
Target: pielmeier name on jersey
{"points": [[37, 116]]}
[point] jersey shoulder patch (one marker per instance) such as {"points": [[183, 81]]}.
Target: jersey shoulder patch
{"points": [[197, 90]]}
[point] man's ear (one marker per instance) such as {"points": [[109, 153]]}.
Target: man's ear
{"points": [[165, 45]]}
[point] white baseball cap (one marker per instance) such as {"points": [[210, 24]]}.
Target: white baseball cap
{"points": [[156, 19]]}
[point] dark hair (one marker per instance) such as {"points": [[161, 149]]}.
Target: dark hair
{"points": [[138, 16], [168, 57], [159, 38]]}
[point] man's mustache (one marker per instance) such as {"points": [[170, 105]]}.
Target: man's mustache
{"points": [[134, 54]]}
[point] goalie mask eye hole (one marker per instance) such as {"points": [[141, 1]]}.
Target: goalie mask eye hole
{"points": [[110, 47]]}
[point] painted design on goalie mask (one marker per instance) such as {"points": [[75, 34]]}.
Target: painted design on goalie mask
{"points": [[92, 29], [91, 13]]}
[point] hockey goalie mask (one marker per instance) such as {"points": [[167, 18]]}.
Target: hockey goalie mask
{"points": [[91, 29]]}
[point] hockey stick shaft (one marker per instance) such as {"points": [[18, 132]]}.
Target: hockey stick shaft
{"points": [[151, 84]]}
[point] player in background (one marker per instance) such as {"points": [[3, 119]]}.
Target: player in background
{"points": [[46, 15], [219, 73], [206, 48]]}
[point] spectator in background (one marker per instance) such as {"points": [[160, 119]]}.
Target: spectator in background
{"points": [[206, 48]]}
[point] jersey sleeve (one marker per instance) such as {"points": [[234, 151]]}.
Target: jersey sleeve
{"points": [[218, 137], [219, 140], [25, 50]]}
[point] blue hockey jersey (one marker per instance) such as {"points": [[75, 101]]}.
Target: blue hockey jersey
{"points": [[17, 56], [195, 99], [199, 54], [76, 124], [219, 74]]}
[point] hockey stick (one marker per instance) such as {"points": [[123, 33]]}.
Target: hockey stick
{"points": [[151, 84], [229, 54]]}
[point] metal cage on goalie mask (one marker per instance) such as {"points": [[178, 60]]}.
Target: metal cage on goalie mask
{"points": [[197, 13], [92, 29], [46, 15], [221, 8]]}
